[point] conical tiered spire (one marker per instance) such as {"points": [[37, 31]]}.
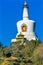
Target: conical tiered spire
{"points": [[25, 11]]}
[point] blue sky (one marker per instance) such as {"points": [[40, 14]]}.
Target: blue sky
{"points": [[11, 12]]}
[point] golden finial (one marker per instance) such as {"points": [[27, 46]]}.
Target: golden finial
{"points": [[25, 4]]}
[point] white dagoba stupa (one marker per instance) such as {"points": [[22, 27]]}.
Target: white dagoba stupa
{"points": [[26, 26]]}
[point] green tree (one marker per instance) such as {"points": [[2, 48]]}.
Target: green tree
{"points": [[5, 50], [0, 45], [1, 50], [37, 57]]}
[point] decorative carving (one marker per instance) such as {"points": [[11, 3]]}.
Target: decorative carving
{"points": [[24, 28]]}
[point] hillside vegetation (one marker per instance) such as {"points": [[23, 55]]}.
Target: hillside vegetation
{"points": [[22, 53]]}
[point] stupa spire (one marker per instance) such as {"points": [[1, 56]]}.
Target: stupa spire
{"points": [[25, 11]]}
